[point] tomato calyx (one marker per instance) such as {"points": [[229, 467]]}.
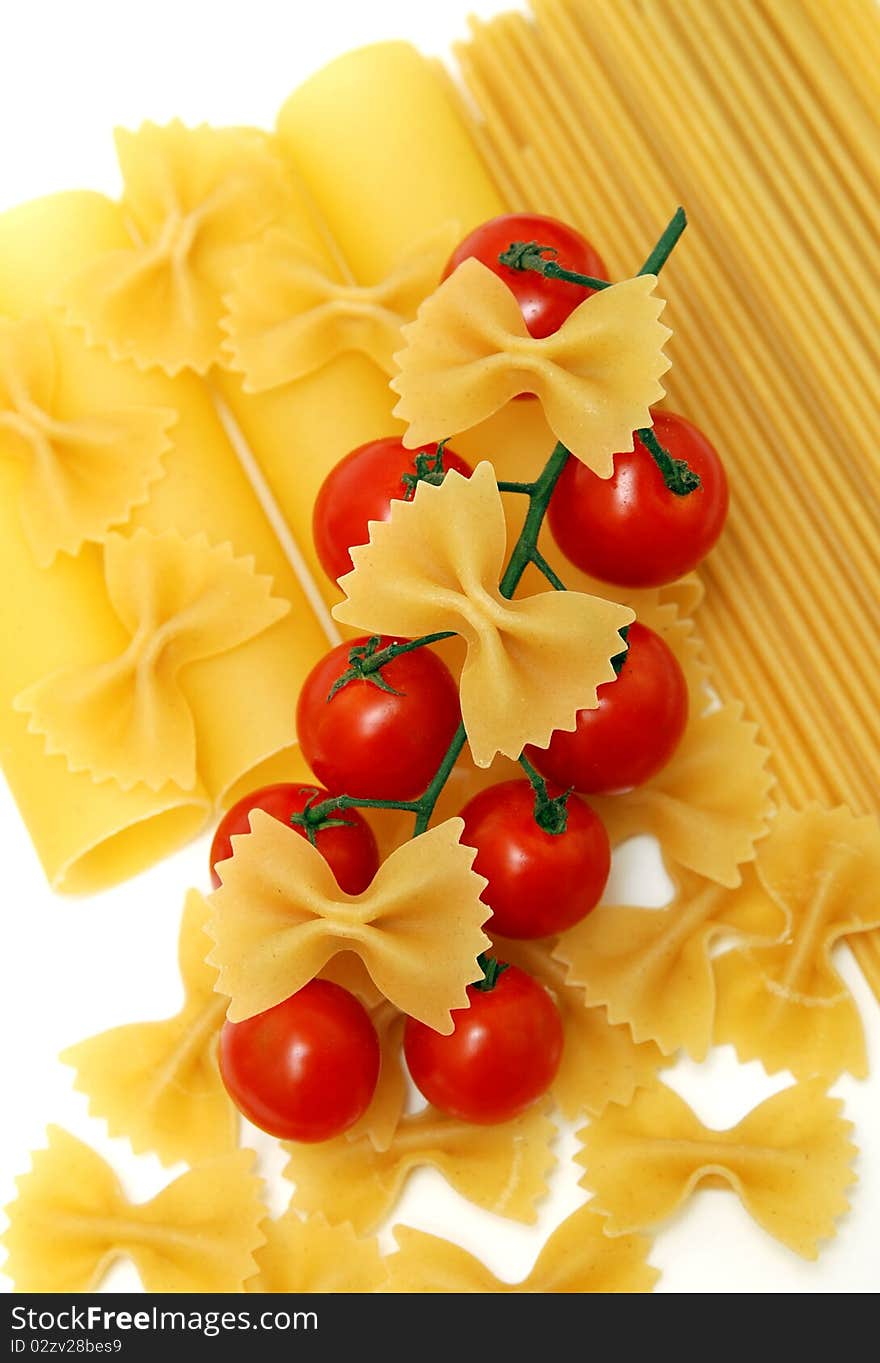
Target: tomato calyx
{"points": [[365, 662], [531, 255], [492, 970], [429, 468], [678, 476], [551, 811], [314, 820]]}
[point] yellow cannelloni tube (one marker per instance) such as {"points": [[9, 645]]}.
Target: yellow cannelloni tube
{"points": [[239, 695]]}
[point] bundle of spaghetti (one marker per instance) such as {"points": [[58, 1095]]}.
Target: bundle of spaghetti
{"points": [[758, 116]]}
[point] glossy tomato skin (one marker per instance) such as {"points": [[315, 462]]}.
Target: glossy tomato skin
{"points": [[629, 529], [361, 489], [545, 303], [372, 744], [501, 1057], [539, 883], [305, 1070], [633, 731], [350, 852]]}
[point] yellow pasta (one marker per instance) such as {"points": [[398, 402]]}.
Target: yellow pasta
{"points": [[88, 834], [71, 1221], [157, 1082], [435, 565], [468, 353], [313, 1256], [601, 112], [501, 1168], [788, 1160], [280, 916], [784, 1002], [577, 1257], [652, 968]]}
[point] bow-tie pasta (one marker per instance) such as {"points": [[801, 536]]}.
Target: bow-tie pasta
{"points": [[86, 469], [287, 317], [788, 1160], [157, 1082], [195, 198], [578, 1257], [435, 565], [310, 1255], [502, 1168], [280, 916], [128, 718], [71, 1221], [784, 1002], [652, 968], [469, 352]]}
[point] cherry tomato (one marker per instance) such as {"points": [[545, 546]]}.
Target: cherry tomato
{"points": [[503, 1054], [544, 303], [350, 852], [361, 489], [368, 742], [305, 1070], [629, 529], [539, 882], [633, 731]]}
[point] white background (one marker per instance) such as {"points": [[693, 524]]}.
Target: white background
{"points": [[71, 71]]}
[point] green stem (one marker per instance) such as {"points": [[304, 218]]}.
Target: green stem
{"points": [[665, 244], [432, 794], [365, 661], [525, 488], [550, 573], [551, 812], [678, 476], [525, 547]]}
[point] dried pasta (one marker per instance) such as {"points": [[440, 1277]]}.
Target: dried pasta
{"points": [[788, 1160], [435, 565], [157, 1082], [577, 1257], [310, 1255], [468, 353], [652, 968], [280, 915], [501, 1168], [288, 317], [196, 197], [71, 1221], [784, 1002]]}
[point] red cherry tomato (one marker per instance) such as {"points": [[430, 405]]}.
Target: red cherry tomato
{"points": [[305, 1070], [361, 489], [503, 1054], [544, 303], [368, 742], [539, 882], [350, 852], [629, 529], [633, 731]]}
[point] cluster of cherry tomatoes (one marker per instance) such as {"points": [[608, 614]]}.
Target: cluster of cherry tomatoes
{"points": [[307, 1069]]}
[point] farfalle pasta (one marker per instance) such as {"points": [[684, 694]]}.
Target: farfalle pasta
{"points": [[280, 916], [59, 618], [71, 1221], [469, 353], [435, 565], [157, 1082], [311, 1255], [653, 968], [86, 468], [195, 197], [784, 1002], [288, 316], [601, 1062], [501, 1168], [577, 1257], [788, 1161], [128, 718]]}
